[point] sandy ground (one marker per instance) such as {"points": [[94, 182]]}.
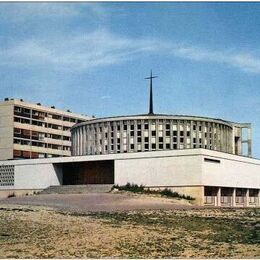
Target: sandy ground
{"points": [[132, 226], [95, 202]]}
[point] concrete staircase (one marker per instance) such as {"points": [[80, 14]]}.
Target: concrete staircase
{"points": [[77, 189]]}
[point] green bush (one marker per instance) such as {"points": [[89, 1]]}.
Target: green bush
{"points": [[130, 187], [11, 195], [169, 193], [141, 189]]}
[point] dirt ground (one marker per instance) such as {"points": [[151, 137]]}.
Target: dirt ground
{"points": [[95, 202], [41, 232]]}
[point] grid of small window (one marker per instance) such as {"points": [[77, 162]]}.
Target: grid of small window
{"points": [[7, 175]]}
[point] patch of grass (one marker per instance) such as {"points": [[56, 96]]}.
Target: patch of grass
{"points": [[141, 189]]}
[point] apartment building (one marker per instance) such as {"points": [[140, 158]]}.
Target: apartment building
{"points": [[34, 131]]}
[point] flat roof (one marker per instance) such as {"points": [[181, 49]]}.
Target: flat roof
{"points": [[157, 116], [134, 155]]}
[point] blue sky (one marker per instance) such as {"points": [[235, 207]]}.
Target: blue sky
{"points": [[92, 58]]}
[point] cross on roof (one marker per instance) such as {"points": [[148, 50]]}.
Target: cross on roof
{"points": [[151, 92]]}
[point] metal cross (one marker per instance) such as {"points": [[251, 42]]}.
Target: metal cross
{"points": [[151, 92]]}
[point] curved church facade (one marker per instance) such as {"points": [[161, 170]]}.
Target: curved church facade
{"points": [[143, 133]]}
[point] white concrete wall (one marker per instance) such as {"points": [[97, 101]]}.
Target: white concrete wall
{"points": [[166, 168], [230, 173], [163, 171], [35, 176], [6, 131]]}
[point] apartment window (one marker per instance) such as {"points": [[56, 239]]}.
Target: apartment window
{"points": [[132, 146], [146, 139], [57, 117], [160, 139], [17, 141], [17, 131], [25, 121], [24, 142], [17, 109], [153, 133]]}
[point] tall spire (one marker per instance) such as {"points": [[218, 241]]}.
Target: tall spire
{"points": [[151, 92]]}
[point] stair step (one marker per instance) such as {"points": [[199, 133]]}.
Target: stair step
{"points": [[74, 189]]}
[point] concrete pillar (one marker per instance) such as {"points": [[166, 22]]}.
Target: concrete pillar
{"points": [[178, 134], [164, 134], [233, 204], [171, 135], [247, 198], [219, 197], [197, 133], [258, 198], [185, 135]]}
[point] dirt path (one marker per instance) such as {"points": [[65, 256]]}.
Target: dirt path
{"points": [[96, 202], [39, 232]]}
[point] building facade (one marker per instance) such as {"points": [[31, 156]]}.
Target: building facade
{"points": [[206, 158], [151, 132], [213, 178], [34, 131]]}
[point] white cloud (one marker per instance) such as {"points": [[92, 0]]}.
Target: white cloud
{"points": [[78, 52], [106, 97], [22, 12], [243, 61], [100, 48]]}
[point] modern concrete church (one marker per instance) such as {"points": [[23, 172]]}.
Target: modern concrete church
{"points": [[209, 159]]}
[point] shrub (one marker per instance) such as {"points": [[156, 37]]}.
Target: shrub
{"points": [[169, 193], [11, 195], [141, 189], [129, 187]]}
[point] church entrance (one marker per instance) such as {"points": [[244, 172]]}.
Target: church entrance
{"points": [[91, 172]]}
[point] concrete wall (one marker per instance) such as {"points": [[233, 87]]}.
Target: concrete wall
{"points": [[35, 176], [185, 171], [6, 131], [230, 172], [163, 171]]}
